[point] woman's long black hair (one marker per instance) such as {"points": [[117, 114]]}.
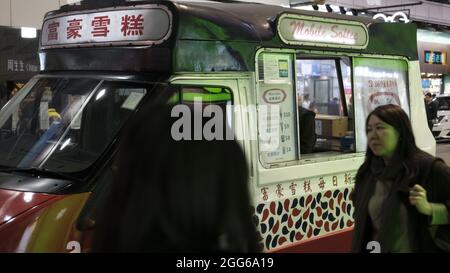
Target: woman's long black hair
{"points": [[406, 151], [176, 196]]}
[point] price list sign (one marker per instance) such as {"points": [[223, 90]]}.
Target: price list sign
{"points": [[276, 111]]}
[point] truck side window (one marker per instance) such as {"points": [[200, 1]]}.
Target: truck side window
{"points": [[325, 108], [215, 104]]}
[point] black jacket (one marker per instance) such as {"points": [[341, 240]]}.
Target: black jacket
{"points": [[433, 174], [431, 109], [307, 126]]}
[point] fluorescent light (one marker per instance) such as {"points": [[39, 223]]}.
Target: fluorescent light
{"points": [[433, 37], [28, 32]]}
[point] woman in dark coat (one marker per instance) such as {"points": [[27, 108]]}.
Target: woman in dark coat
{"points": [[402, 194]]}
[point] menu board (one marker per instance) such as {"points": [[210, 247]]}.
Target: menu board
{"points": [[276, 110]]}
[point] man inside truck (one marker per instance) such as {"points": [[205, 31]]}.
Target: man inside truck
{"points": [[307, 129]]}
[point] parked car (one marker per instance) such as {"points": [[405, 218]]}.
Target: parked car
{"points": [[441, 129]]}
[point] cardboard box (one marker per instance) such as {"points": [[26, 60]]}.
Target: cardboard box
{"points": [[331, 126]]}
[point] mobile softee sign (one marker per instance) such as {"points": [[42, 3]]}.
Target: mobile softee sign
{"points": [[305, 30], [145, 25]]}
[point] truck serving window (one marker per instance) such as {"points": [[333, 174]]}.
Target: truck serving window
{"points": [[325, 110], [317, 113], [307, 114]]}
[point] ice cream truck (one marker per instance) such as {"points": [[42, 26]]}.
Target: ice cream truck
{"points": [[99, 64]]}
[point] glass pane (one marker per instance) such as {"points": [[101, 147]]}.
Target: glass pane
{"points": [[63, 125], [324, 126], [212, 106], [38, 120], [377, 82]]}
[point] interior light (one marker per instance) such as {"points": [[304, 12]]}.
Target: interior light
{"points": [[28, 32], [433, 37]]}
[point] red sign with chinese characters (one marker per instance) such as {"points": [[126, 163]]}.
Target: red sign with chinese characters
{"points": [[150, 24], [100, 26]]}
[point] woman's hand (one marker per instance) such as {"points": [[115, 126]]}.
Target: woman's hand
{"points": [[418, 198]]}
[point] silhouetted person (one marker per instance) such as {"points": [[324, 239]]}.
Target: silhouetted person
{"points": [[334, 107], [431, 109], [307, 127], [175, 196]]}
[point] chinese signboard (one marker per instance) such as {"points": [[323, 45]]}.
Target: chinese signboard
{"points": [[140, 26], [14, 65], [435, 57], [306, 30]]}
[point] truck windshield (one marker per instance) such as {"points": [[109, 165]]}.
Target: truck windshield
{"points": [[64, 124]]}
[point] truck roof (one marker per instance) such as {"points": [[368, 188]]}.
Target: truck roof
{"points": [[202, 31]]}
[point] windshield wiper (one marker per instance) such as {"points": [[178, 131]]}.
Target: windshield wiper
{"points": [[39, 172]]}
